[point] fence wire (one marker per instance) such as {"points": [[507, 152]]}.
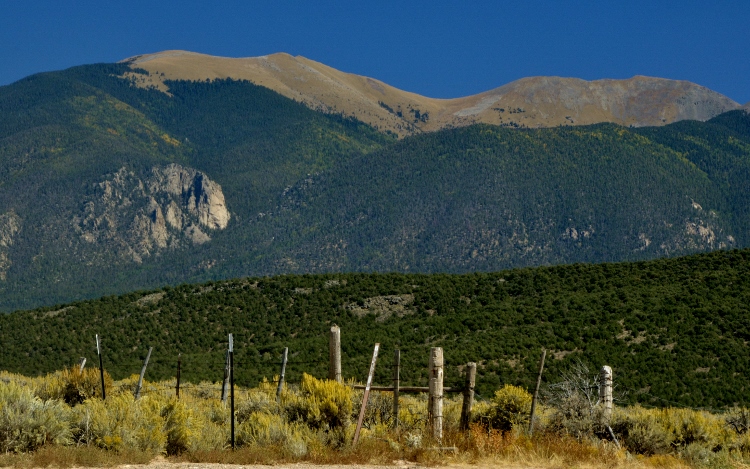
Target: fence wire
{"points": [[359, 365]]}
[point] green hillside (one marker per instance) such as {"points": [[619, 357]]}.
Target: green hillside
{"points": [[720, 149], [487, 198], [674, 330], [82, 215]]}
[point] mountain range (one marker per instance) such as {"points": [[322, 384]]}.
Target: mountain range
{"points": [[178, 167], [529, 102]]}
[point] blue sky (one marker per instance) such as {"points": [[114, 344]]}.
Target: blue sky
{"points": [[434, 48]]}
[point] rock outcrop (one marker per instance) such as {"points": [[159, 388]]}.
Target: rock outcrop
{"points": [[201, 197], [10, 226], [383, 306], [172, 206]]}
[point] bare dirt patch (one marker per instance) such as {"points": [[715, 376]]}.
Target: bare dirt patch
{"points": [[160, 463], [383, 306]]}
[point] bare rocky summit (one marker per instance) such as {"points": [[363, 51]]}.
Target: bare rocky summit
{"points": [[529, 102], [171, 207], [638, 101]]}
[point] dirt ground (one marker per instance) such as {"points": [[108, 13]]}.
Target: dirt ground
{"points": [[163, 464]]}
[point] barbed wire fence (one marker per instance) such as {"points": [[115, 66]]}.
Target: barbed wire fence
{"points": [[295, 366]]}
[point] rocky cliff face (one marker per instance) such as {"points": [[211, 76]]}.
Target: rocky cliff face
{"points": [[10, 227], [172, 206], [199, 196]]}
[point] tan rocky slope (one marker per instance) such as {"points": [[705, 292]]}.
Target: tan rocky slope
{"points": [[528, 102]]}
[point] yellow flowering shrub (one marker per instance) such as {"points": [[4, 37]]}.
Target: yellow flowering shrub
{"points": [[511, 406], [73, 386], [121, 422]]}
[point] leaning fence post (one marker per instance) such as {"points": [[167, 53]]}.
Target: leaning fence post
{"points": [[366, 394], [82, 364], [536, 392], [435, 402], [471, 376], [281, 376], [101, 366], [605, 392], [143, 372], [334, 354], [396, 384]]}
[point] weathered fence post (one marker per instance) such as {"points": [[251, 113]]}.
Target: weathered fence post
{"points": [[143, 372], [605, 392], [536, 392], [396, 384], [281, 376], [82, 364], [231, 383], [471, 376], [334, 354], [101, 366], [225, 385], [435, 401], [366, 394], [179, 366]]}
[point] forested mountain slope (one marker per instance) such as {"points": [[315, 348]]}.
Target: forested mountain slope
{"points": [[675, 331], [489, 198], [103, 180], [106, 187]]}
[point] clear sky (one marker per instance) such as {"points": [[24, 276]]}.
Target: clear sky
{"points": [[435, 48]]}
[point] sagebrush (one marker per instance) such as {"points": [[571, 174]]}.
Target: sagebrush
{"points": [[314, 420]]}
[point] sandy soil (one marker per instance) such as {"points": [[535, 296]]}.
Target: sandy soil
{"points": [[163, 464]]}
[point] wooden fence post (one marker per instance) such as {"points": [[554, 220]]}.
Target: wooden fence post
{"points": [[396, 384], [225, 384], [281, 376], [366, 394], [179, 366], [334, 354], [82, 364], [101, 366], [231, 384], [536, 391], [605, 392], [435, 401], [471, 376]]}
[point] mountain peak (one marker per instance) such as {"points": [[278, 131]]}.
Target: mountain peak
{"points": [[542, 101]]}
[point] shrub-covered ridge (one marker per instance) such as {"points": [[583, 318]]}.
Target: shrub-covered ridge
{"points": [[675, 331]]}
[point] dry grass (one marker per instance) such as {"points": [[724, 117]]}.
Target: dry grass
{"points": [[324, 88], [313, 424], [478, 449], [64, 456]]}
